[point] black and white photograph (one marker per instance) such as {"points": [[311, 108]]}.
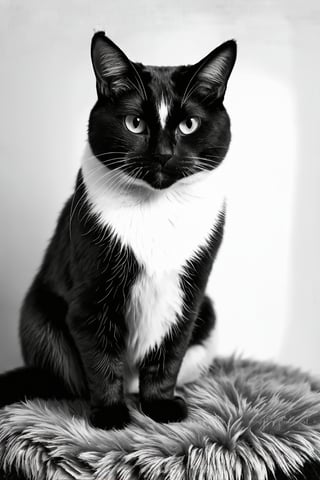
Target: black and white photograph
{"points": [[160, 240]]}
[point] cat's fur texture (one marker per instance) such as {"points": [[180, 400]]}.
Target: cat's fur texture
{"points": [[119, 301]]}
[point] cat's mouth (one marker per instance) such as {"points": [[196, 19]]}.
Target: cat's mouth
{"points": [[162, 177], [159, 172]]}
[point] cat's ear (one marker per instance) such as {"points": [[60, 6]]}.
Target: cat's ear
{"points": [[114, 72], [210, 76]]}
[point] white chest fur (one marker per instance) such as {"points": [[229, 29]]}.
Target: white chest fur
{"points": [[164, 229]]}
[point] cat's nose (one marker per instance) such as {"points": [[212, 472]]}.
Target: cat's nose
{"points": [[163, 149]]}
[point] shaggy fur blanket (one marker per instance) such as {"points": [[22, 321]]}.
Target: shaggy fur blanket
{"points": [[247, 421]]}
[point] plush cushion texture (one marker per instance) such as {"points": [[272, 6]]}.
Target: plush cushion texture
{"points": [[247, 421]]}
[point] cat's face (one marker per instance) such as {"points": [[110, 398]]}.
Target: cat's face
{"points": [[158, 125]]}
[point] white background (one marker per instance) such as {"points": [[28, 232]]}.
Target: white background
{"points": [[266, 279]]}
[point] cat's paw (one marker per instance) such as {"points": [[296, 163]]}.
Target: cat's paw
{"points": [[112, 416], [165, 410]]}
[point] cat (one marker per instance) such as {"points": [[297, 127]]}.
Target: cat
{"points": [[119, 304]]}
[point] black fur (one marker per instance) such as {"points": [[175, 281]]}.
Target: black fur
{"points": [[31, 382], [73, 327]]}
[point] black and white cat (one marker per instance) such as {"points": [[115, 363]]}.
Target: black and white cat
{"points": [[119, 301]]}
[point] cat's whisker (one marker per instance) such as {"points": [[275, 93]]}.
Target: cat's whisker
{"points": [[73, 209], [208, 166], [140, 92], [206, 159], [98, 155], [199, 168], [141, 84], [204, 165], [109, 173], [188, 94], [130, 181], [111, 153], [116, 174], [88, 214], [101, 167], [116, 178], [129, 173], [131, 178]]}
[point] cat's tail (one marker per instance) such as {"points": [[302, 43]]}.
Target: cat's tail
{"points": [[27, 383]]}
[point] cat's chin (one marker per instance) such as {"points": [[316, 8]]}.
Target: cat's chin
{"points": [[162, 183], [160, 180]]}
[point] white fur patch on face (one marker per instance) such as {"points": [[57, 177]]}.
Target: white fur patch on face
{"points": [[164, 229], [163, 111]]}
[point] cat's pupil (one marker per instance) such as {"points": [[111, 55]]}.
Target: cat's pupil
{"points": [[136, 122], [189, 123]]}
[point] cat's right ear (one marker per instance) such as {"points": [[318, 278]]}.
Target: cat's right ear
{"points": [[114, 72], [210, 76]]}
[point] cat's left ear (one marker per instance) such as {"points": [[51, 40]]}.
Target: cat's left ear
{"points": [[210, 76], [114, 72]]}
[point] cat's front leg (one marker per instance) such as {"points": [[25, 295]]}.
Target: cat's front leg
{"points": [[99, 337], [158, 377], [159, 369]]}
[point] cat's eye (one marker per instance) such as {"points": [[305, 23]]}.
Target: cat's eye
{"points": [[135, 124], [189, 125]]}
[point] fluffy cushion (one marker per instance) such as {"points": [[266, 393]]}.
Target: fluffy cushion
{"points": [[247, 420]]}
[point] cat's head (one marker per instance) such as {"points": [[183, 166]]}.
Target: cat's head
{"points": [[158, 125]]}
